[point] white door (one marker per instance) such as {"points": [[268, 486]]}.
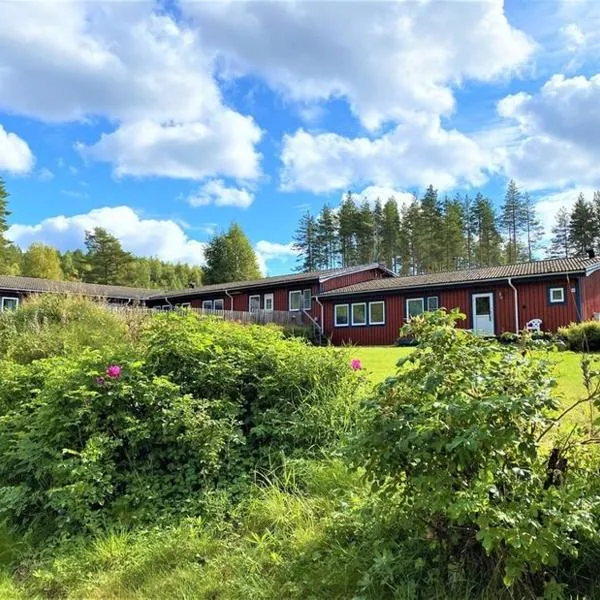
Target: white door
{"points": [[268, 299], [483, 314]]}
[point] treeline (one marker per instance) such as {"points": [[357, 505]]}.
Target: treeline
{"points": [[439, 234], [103, 261]]}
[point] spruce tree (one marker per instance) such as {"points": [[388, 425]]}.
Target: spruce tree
{"points": [[10, 255], [512, 219], [348, 216], [534, 230], [582, 227], [377, 230], [108, 262], [390, 234], [560, 244], [429, 241], [487, 247], [327, 239], [409, 247], [365, 234], [467, 205], [453, 235], [306, 244]]}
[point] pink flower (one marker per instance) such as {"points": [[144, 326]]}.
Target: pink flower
{"points": [[114, 371], [356, 364]]}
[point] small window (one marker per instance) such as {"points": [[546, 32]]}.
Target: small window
{"points": [[167, 307], [207, 304], [359, 313], [295, 300], [557, 295], [219, 304], [306, 299], [185, 305], [414, 307], [10, 303], [254, 303], [433, 303], [377, 313], [268, 300], [341, 315]]}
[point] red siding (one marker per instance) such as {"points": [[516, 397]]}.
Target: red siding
{"points": [[345, 280], [590, 295]]}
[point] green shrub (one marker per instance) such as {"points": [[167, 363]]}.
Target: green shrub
{"points": [[508, 337], [583, 336]]}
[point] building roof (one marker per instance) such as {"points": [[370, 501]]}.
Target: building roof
{"points": [[36, 285], [319, 276], [542, 268]]}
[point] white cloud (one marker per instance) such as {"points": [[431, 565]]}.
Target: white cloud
{"points": [[574, 36], [373, 193], [45, 174], [15, 155], [270, 251], [141, 70], [419, 153], [549, 204], [559, 133], [216, 192], [388, 59], [145, 237]]}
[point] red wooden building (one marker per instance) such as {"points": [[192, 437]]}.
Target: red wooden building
{"points": [[494, 300]]}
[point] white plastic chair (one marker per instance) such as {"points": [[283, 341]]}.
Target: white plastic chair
{"points": [[534, 325]]}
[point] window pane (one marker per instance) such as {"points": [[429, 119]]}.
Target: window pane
{"points": [[557, 295], [432, 303], [306, 299], [207, 304], [10, 303], [341, 314], [268, 301], [483, 305], [254, 303], [219, 304], [376, 313], [359, 314], [295, 300], [415, 307]]}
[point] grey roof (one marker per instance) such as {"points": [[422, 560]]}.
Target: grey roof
{"points": [[269, 281], [542, 268], [34, 284]]}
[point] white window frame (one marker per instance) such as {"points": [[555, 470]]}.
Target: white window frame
{"points": [[371, 321], [207, 304], [352, 314], [305, 305], [15, 298], [269, 298], [185, 305], [222, 304], [422, 300], [300, 304], [166, 307], [437, 303], [250, 298], [335, 315], [562, 294]]}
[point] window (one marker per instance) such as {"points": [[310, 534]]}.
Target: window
{"points": [[359, 313], [295, 300], [167, 307], [377, 313], [10, 303], [433, 303], [207, 304], [185, 305], [341, 315], [306, 299], [268, 300], [414, 307], [219, 304], [557, 295], [254, 303]]}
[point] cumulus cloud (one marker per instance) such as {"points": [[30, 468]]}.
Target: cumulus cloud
{"points": [[559, 133], [139, 69], [216, 192], [411, 154], [15, 155], [145, 237], [549, 204], [373, 193], [272, 251]]}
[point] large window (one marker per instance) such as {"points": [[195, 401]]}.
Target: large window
{"points": [[254, 303], [207, 304], [219, 304], [296, 300], [359, 314], [306, 299], [556, 295], [9, 303], [433, 303], [341, 315], [414, 307], [377, 313]]}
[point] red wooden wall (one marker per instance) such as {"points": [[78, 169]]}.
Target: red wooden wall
{"points": [[346, 280], [590, 295]]}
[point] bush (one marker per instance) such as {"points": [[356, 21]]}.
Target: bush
{"points": [[583, 336]]}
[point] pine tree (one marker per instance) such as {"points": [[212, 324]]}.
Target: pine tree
{"points": [[467, 205], [41, 261], [429, 244], [365, 234], [596, 205], [390, 234], [560, 244], [230, 257], [306, 244], [327, 238], [582, 227], [512, 219], [347, 219], [377, 230], [108, 262], [487, 246], [409, 246], [453, 235], [533, 228], [9, 254]]}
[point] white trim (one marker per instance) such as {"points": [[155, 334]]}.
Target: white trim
{"points": [[222, 304], [335, 319], [250, 298], [421, 299], [562, 295], [15, 298], [352, 314], [371, 322], [207, 304], [185, 305], [290, 300], [474, 297], [166, 307], [266, 298]]}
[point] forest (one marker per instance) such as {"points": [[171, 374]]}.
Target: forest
{"points": [[432, 233]]}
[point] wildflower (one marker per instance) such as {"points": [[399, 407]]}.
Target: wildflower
{"points": [[356, 364], [100, 380], [114, 371]]}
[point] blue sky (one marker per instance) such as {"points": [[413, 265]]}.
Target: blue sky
{"points": [[164, 122]]}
